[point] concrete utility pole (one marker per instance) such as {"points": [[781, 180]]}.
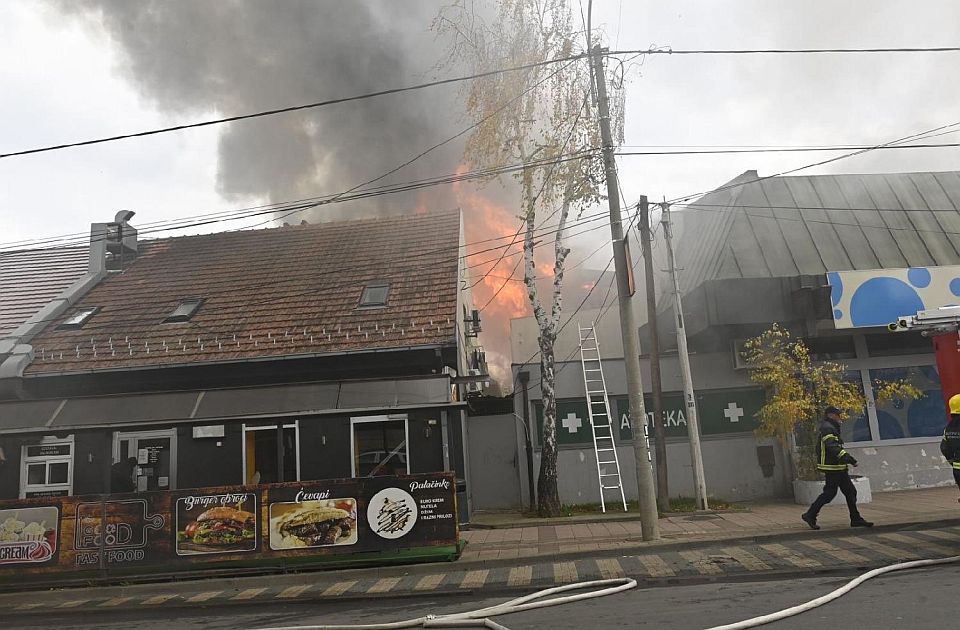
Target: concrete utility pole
{"points": [[693, 425], [659, 434], [628, 327]]}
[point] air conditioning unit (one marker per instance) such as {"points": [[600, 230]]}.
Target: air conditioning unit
{"points": [[474, 387]]}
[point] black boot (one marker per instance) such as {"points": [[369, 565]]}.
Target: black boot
{"points": [[810, 520], [860, 522]]}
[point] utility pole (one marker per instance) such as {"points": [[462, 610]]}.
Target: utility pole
{"points": [[628, 327], [693, 424], [659, 435]]}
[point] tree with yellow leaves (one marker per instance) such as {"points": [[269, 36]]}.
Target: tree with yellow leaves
{"points": [[799, 389], [540, 118]]}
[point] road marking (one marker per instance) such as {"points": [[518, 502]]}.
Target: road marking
{"points": [[246, 594], [116, 601], [339, 588], [520, 576], [565, 572], [203, 597], [156, 600], [474, 579], [293, 591], [942, 535], [29, 606], [749, 561], [384, 585], [701, 563], [790, 556], [884, 550], [429, 582], [610, 568], [73, 603], [655, 566], [914, 542], [835, 552]]}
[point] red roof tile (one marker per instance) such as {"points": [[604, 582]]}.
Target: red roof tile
{"points": [[29, 279], [268, 293]]}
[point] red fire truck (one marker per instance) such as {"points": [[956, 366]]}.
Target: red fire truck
{"points": [[943, 325]]}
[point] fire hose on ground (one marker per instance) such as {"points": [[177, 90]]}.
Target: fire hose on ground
{"points": [[481, 618]]}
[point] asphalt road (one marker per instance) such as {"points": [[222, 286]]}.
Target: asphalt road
{"points": [[918, 600]]}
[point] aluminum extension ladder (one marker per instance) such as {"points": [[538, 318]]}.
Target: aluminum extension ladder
{"points": [[601, 421]]}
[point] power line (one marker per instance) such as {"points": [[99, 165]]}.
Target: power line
{"points": [[666, 50], [368, 193], [898, 141], [788, 150], [292, 108]]}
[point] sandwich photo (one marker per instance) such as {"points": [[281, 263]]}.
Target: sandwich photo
{"points": [[222, 526], [314, 524]]}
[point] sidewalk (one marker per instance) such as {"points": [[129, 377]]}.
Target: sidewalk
{"points": [[610, 532], [768, 541]]}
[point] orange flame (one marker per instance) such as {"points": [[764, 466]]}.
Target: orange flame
{"points": [[498, 269]]}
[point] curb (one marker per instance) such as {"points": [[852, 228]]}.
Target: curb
{"points": [[470, 577], [588, 519], [722, 562]]}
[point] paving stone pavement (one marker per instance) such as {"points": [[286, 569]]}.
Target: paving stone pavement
{"points": [[852, 551]]}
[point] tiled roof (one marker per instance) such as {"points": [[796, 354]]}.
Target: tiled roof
{"points": [[268, 293], [792, 226], [31, 278]]}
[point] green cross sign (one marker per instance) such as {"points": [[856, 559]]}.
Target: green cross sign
{"points": [[722, 411]]}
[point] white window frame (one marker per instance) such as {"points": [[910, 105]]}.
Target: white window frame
{"points": [[119, 436], [863, 364], [371, 419], [295, 425], [26, 461]]}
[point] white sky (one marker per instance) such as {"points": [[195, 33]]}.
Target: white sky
{"points": [[60, 82]]}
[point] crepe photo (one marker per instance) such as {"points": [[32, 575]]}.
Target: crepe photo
{"points": [[313, 524]]}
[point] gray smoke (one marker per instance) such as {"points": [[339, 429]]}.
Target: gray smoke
{"points": [[201, 60]]}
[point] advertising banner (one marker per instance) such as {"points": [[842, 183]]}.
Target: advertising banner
{"points": [[187, 528]]}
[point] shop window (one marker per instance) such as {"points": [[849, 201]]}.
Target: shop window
{"points": [[155, 453], [260, 454], [898, 344], [831, 348], [920, 417], [856, 428], [47, 469], [380, 446]]}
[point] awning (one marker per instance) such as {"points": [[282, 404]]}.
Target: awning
{"points": [[254, 403]]}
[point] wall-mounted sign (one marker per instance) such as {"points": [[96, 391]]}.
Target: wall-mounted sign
{"points": [[49, 450], [881, 296], [721, 412]]}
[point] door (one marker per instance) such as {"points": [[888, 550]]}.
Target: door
{"points": [[156, 457], [260, 456]]}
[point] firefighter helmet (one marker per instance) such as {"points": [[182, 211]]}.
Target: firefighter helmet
{"points": [[955, 404]]}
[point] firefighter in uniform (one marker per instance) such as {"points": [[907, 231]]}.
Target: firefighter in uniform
{"points": [[950, 445], [833, 460]]}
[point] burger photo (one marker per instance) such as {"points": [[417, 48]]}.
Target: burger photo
{"points": [[221, 526]]}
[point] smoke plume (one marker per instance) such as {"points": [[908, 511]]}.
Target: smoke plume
{"points": [[206, 59]]}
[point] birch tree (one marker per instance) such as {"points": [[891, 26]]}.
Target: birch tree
{"points": [[539, 117]]}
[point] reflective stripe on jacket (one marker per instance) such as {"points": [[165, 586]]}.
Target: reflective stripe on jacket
{"points": [[831, 456], [950, 444]]}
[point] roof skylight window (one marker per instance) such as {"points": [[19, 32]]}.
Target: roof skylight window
{"points": [[79, 318], [374, 294], [187, 308]]}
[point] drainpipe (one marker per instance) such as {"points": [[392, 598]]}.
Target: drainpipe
{"points": [[524, 378]]}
